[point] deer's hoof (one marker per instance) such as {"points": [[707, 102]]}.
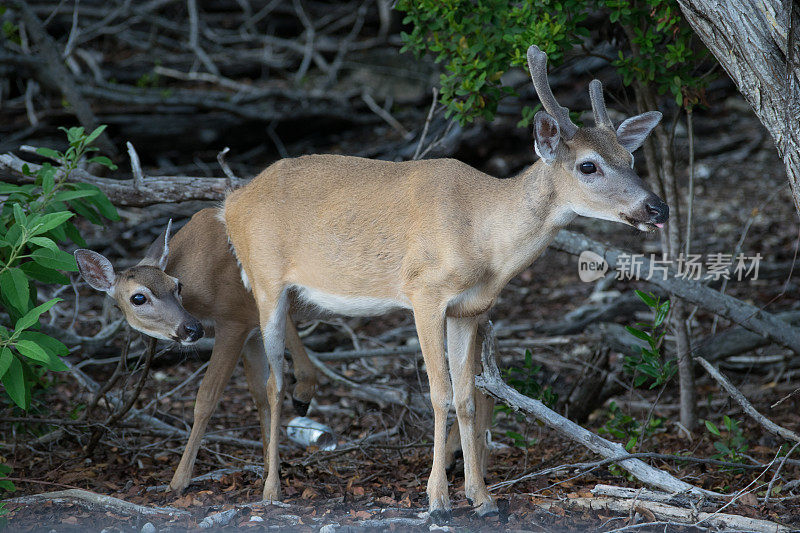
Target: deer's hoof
{"points": [[486, 509], [300, 407], [441, 517]]}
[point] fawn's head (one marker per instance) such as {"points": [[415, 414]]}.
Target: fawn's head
{"points": [[594, 165], [149, 298]]}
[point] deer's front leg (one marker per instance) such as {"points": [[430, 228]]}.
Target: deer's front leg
{"points": [[228, 344], [430, 328], [462, 355], [272, 311]]}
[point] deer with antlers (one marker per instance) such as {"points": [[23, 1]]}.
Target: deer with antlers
{"points": [[360, 237]]}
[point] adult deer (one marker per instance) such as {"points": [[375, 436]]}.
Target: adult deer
{"points": [[189, 277], [360, 237]]}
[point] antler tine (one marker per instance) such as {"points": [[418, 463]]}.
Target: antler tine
{"points": [[537, 64], [599, 105]]}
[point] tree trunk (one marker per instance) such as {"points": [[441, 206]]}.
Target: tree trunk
{"points": [[757, 44]]}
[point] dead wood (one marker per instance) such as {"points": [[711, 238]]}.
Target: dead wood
{"points": [[56, 73], [153, 190], [667, 515], [93, 500], [492, 383], [748, 408]]}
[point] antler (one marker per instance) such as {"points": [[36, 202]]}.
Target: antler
{"points": [[599, 105], [537, 64]]}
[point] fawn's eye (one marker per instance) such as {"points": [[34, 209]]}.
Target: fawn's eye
{"points": [[180, 287], [587, 167], [138, 299]]}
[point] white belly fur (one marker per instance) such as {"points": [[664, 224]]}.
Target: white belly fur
{"points": [[349, 305]]}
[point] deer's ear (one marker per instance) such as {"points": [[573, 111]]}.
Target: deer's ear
{"points": [[632, 133], [156, 255], [96, 270], [546, 136]]}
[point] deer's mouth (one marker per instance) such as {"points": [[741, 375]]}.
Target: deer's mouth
{"points": [[641, 225]]}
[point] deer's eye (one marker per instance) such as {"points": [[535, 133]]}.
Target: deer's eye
{"points": [[587, 167], [180, 287], [138, 299]]}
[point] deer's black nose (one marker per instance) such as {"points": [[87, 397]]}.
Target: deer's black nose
{"points": [[191, 331], [658, 210]]}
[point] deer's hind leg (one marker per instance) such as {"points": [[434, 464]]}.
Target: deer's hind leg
{"points": [[273, 307], [464, 363], [304, 371]]}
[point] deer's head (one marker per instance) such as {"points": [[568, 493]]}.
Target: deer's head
{"points": [[149, 298], [594, 165]]}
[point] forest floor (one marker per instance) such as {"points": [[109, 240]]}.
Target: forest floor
{"points": [[379, 484]]}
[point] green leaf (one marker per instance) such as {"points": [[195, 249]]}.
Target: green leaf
{"points": [[6, 357], [639, 334], [44, 242], [45, 275], [31, 350], [55, 259], [103, 160], [712, 428], [14, 284], [99, 201], [50, 344], [646, 298], [63, 196], [51, 220], [49, 153], [95, 134], [32, 316], [14, 382], [19, 215]]}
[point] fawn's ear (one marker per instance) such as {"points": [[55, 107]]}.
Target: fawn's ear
{"points": [[632, 133], [96, 270], [546, 136], [156, 255]]}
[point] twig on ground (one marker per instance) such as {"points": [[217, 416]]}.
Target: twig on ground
{"points": [[492, 383], [94, 500], [668, 515], [777, 472], [748, 408]]}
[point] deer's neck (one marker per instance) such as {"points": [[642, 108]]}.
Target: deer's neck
{"points": [[525, 226]]}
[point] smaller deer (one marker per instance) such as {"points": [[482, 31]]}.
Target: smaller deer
{"points": [[189, 277]]}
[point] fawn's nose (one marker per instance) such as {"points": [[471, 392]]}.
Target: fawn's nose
{"points": [[658, 210], [191, 331]]}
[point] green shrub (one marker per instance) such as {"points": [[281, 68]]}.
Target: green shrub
{"points": [[478, 40], [34, 218], [648, 364]]}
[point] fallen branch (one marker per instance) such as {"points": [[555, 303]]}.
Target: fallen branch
{"points": [[151, 190], [668, 514], [94, 500], [749, 316], [748, 408], [492, 383]]}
